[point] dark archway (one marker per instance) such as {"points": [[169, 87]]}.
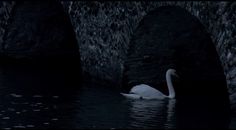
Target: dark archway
{"points": [[40, 40], [170, 37]]}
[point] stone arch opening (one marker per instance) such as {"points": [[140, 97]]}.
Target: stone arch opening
{"points": [[170, 37], [40, 39]]}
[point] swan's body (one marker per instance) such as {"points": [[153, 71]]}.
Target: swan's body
{"points": [[144, 91]]}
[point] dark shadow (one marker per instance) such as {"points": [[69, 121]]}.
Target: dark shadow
{"points": [[40, 39], [40, 70], [170, 37]]}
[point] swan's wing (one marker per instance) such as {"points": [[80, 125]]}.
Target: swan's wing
{"points": [[147, 91], [144, 89], [131, 96]]}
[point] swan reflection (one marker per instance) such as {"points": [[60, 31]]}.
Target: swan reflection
{"points": [[150, 113]]}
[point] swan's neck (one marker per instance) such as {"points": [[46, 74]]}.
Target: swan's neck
{"points": [[170, 84]]}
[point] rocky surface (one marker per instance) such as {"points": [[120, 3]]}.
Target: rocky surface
{"points": [[39, 29], [39, 35], [104, 30], [5, 13], [104, 56]]}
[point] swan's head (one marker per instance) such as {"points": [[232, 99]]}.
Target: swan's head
{"points": [[172, 72]]}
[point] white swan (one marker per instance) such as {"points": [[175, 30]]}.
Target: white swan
{"points": [[144, 91]]}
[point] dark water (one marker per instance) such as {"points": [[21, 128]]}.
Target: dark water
{"points": [[33, 99]]}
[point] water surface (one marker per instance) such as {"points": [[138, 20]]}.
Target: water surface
{"points": [[37, 99]]}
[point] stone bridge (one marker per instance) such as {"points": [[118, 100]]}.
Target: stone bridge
{"points": [[109, 36]]}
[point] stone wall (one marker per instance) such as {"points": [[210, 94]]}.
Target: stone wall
{"points": [[104, 29], [5, 12], [39, 29]]}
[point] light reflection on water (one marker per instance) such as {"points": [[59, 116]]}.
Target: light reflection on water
{"points": [[112, 110], [156, 113], [34, 100]]}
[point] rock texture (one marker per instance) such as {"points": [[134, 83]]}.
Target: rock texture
{"points": [[39, 36], [39, 29], [5, 11], [104, 30], [105, 53]]}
